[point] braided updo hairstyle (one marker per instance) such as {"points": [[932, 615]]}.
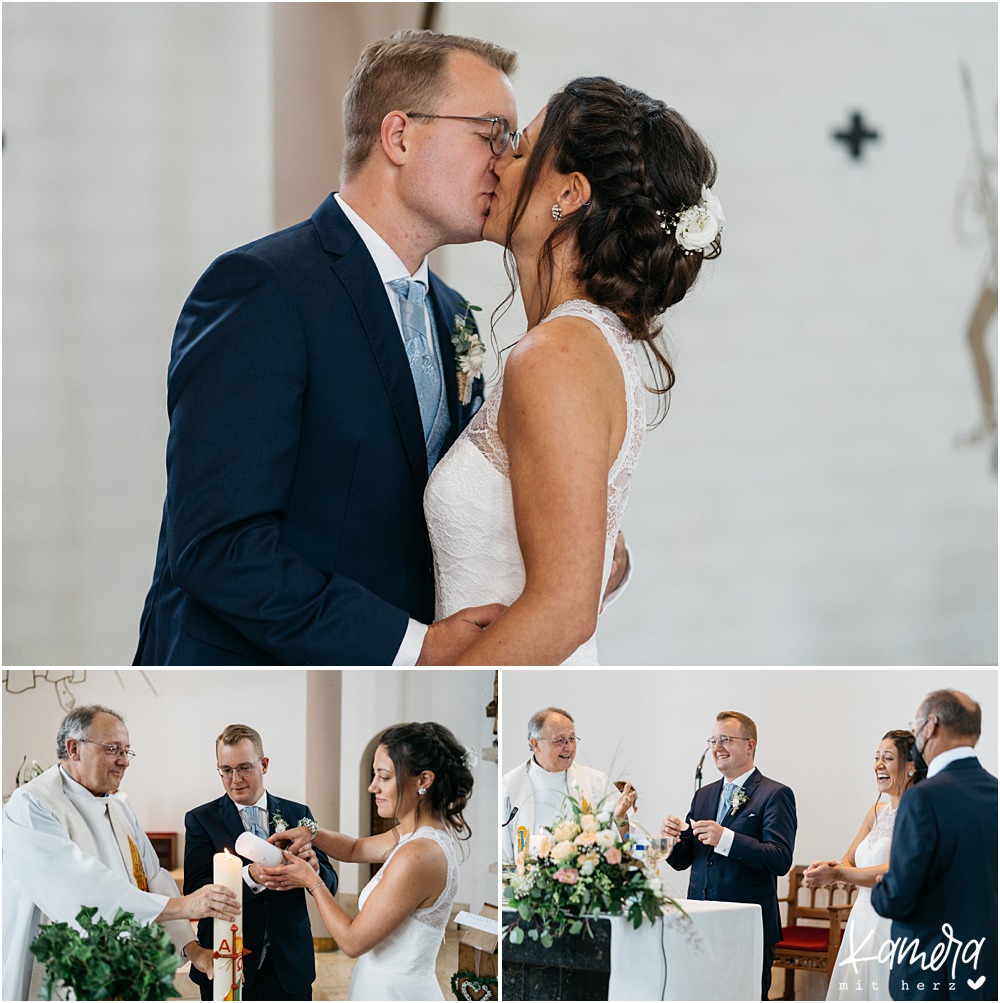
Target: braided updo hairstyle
{"points": [[414, 748], [640, 158]]}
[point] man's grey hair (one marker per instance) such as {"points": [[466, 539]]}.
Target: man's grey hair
{"points": [[956, 712], [538, 719], [77, 724]]}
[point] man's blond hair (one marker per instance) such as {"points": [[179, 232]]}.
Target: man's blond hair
{"points": [[405, 71]]}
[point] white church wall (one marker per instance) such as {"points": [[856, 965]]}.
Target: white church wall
{"points": [[137, 147], [805, 501], [173, 717], [456, 698]]}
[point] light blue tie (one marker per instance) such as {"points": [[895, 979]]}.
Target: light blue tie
{"points": [[252, 816], [727, 798], [423, 364]]}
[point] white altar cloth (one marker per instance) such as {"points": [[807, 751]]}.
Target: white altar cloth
{"points": [[717, 957]]}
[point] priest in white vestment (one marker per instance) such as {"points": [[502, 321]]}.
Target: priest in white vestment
{"points": [[69, 842], [535, 792]]}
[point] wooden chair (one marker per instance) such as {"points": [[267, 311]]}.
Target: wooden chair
{"points": [[806, 945]]}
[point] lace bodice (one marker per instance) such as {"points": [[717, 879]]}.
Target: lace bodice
{"points": [[881, 832], [468, 504], [438, 914]]}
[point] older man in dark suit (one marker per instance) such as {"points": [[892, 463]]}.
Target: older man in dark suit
{"points": [[941, 887], [313, 385], [740, 832], [277, 933]]}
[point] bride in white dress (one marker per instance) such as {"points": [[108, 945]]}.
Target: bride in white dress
{"points": [[865, 861], [422, 778], [603, 202]]}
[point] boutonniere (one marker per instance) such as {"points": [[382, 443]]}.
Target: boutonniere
{"points": [[278, 824], [470, 352], [740, 798]]}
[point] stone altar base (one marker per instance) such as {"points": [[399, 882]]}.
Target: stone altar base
{"points": [[573, 968]]}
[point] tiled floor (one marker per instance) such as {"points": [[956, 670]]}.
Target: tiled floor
{"points": [[333, 972]]}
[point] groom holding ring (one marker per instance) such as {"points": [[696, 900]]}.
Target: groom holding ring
{"points": [[740, 832]]}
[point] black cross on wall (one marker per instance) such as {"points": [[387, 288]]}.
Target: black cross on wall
{"points": [[856, 135]]}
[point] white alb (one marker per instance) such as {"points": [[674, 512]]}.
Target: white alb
{"points": [[468, 505], [401, 967]]}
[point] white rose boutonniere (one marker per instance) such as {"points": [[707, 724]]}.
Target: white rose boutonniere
{"points": [[470, 352], [278, 824], [740, 798]]}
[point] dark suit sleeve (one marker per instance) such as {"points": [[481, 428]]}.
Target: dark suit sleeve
{"points": [[682, 855], [772, 853], [236, 384], [198, 852], [914, 841]]}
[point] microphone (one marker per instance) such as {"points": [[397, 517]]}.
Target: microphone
{"points": [[510, 818], [697, 770]]}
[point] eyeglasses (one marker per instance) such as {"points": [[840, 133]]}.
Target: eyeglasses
{"points": [[114, 751], [500, 134], [244, 770], [562, 742], [724, 740]]}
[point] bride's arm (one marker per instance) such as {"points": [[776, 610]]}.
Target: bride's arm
{"points": [[414, 878], [826, 872], [338, 845], [557, 422]]}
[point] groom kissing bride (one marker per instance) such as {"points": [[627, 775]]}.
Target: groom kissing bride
{"points": [[313, 381]]}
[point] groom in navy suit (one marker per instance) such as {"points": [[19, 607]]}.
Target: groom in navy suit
{"points": [[300, 444], [281, 964], [740, 832], [941, 887]]}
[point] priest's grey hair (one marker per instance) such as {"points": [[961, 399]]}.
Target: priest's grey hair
{"points": [[77, 723], [538, 719]]}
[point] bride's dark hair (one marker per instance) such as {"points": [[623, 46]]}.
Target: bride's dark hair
{"points": [[416, 747], [904, 741], [644, 164]]}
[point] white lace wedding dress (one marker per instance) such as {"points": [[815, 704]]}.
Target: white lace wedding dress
{"points": [[401, 967], [468, 505], [866, 930]]}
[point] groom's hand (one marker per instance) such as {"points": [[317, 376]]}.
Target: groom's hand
{"points": [[447, 639], [708, 831], [619, 566]]}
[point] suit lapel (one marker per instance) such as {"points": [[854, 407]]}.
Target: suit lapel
{"points": [[231, 820], [748, 788], [353, 267]]}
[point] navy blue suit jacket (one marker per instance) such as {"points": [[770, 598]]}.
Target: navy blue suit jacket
{"points": [[763, 843], [212, 827], [293, 528], [943, 870]]}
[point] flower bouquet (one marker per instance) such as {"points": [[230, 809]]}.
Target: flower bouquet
{"points": [[580, 870]]}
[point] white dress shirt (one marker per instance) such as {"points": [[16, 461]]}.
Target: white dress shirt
{"points": [[726, 839]]}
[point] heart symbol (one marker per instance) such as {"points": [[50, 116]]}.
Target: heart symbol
{"points": [[469, 986], [977, 983]]}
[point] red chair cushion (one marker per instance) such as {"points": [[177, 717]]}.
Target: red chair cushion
{"points": [[805, 938]]}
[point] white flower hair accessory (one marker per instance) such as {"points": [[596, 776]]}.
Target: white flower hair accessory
{"points": [[470, 759], [696, 227]]}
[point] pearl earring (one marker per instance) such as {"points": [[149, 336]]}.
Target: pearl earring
{"points": [[556, 211]]}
